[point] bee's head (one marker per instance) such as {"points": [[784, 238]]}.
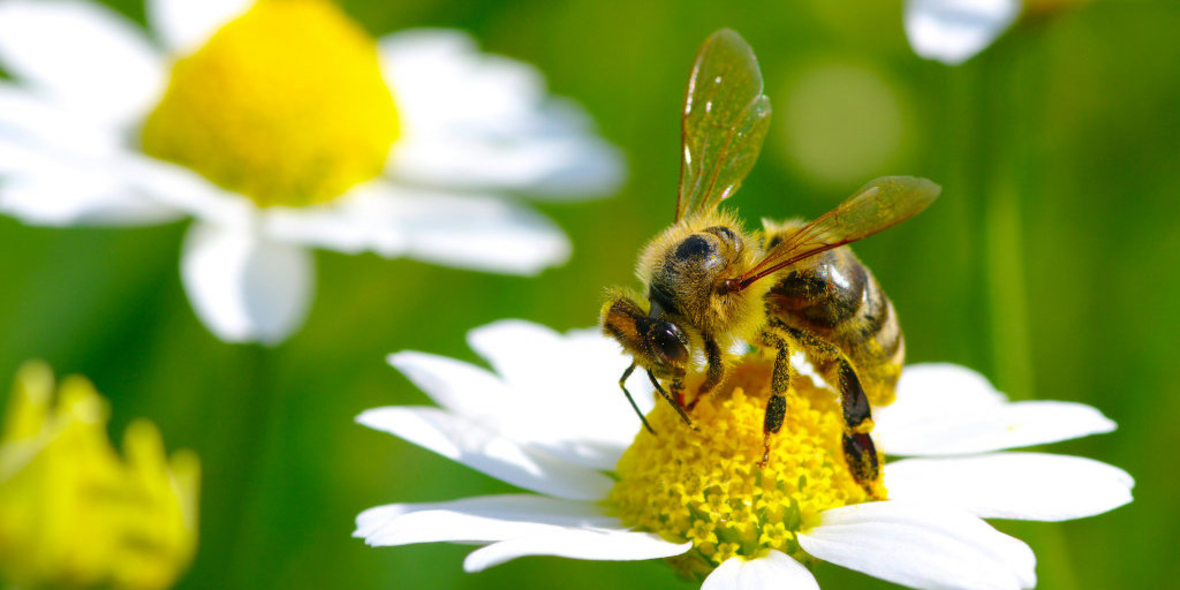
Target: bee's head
{"points": [[656, 342]]}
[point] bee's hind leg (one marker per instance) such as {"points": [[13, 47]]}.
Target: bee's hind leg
{"points": [[780, 381], [859, 450]]}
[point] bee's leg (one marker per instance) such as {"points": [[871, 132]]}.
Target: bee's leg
{"points": [[676, 386], [623, 386], [714, 373], [780, 381], [859, 450]]}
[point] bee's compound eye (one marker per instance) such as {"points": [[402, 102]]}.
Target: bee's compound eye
{"points": [[667, 343], [694, 247]]}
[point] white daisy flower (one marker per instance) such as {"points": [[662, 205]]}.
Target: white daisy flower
{"points": [[953, 31], [282, 126], [550, 419]]}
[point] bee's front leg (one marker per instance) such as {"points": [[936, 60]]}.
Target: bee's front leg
{"points": [[672, 398], [780, 381], [623, 386]]}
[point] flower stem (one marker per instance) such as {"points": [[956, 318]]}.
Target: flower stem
{"points": [[1005, 151], [234, 547], [1009, 132]]}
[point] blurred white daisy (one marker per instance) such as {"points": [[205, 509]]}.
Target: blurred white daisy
{"points": [[282, 126], [550, 419], [953, 31]]}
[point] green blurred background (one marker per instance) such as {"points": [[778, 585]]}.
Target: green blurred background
{"points": [[1049, 264]]}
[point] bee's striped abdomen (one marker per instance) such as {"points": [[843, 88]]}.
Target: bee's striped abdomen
{"points": [[835, 298]]}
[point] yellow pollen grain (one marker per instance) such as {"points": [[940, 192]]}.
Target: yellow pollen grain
{"points": [[285, 104], [705, 485]]}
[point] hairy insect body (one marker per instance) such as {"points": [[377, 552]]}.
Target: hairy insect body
{"points": [[684, 267], [835, 298], [709, 284]]}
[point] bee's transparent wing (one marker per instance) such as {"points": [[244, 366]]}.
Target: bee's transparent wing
{"points": [[878, 205], [725, 120]]}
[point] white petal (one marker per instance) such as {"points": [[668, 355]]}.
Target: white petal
{"points": [[548, 167], [460, 387], [948, 410], [470, 231], [478, 520], [953, 31], [479, 233], [566, 375], [511, 345], [246, 289], [775, 571], [83, 55], [576, 544], [78, 196], [921, 547], [186, 190], [545, 379], [1026, 486], [479, 121], [487, 451], [40, 124], [184, 25], [366, 218]]}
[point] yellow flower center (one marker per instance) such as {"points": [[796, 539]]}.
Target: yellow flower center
{"points": [[705, 485], [286, 105]]}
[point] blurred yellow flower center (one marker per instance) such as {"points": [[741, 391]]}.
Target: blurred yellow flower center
{"points": [[75, 514], [286, 105], [705, 486]]}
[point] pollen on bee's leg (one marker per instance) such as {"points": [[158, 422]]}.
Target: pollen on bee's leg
{"points": [[726, 490]]}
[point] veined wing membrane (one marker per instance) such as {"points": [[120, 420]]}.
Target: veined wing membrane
{"points": [[877, 206], [725, 120]]}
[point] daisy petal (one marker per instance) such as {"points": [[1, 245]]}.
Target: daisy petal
{"points": [[367, 218], [1026, 486], [186, 190], [553, 167], [588, 364], [460, 387], [774, 571], [1007, 426], [600, 545], [183, 25], [478, 520], [501, 344], [921, 547], [475, 232], [476, 120], [82, 55], [39, 124], [949, 410], [80, 197], [511, 399], [479, 233], [953, 31], [246, 289], [483, 449]]}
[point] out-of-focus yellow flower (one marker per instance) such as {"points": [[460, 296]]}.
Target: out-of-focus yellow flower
{"points": [[75, 514]]}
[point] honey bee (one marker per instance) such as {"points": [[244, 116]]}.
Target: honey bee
{"points": [[791, 286]]}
